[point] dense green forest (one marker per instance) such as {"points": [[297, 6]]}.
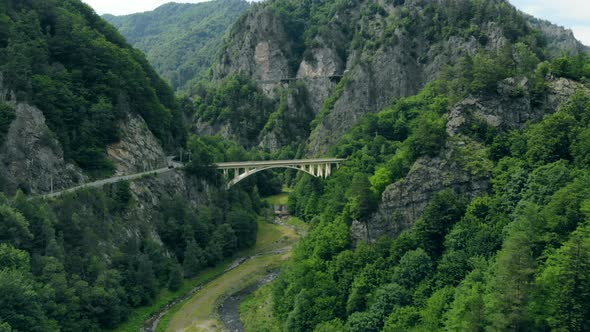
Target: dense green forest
{"points": [[69, 264], [181, 41], [85, 260], [516, 259], [63, 58]]}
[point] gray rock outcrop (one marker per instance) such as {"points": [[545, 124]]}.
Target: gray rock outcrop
{"points": [[138, 150], [462, 165], [31, 158]]}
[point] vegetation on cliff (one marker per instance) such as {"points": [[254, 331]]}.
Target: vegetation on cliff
{"points": [[75, 67], [181, 41], [503, 261]]}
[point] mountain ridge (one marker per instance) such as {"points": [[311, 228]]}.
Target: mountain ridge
{"points": [[262, 47], [180, 40]]}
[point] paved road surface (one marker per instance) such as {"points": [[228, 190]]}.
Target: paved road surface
{"points": [[115, 179], [177, 165]]}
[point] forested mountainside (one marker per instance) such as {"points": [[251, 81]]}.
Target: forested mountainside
{"points": [[348, 59], [76, 103], [181, 41], [69, 80], [463, 204], [83, 261]]}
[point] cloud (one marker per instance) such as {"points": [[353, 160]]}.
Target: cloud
{"points": [[572, 14], [124, 7], [582, 33]]}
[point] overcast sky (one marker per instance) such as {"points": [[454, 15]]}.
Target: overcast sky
{"points": [[572, 14]]}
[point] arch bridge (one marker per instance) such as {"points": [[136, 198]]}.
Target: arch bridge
{"points": [[240, 170]]}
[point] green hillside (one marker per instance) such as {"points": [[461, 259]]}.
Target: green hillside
{"points": [[181, 41], [63, 58]]}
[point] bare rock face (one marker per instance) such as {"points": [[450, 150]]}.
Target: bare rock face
{"points": [[559, 39], [512, 107], [31, 157], [138, 150], [390, 72], [370, 86], [259, 51], [324, 63], [320, 75], [389, 63], [458, 167]]}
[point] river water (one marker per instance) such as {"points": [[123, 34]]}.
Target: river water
{"points": [[230, 308]]}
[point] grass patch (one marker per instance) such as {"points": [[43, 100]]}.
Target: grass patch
{"points": [[199, 313], [256, 312], [271, 237], [299, 225], [280, 199]]}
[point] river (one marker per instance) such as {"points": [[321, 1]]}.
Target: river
{"points": [[215, 306]]}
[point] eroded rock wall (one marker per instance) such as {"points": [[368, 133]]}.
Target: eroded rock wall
{"points": [[138, 150]]}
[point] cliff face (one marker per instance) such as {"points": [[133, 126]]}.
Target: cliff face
{"points": [[138, 150], [32, 159], [559, 39], [463, 164], [378, 51]]}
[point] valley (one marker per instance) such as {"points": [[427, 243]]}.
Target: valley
{"points": [[202, 311], [345, 166]]}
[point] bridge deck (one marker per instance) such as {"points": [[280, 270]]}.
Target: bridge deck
{"points": [[242, 164], [175, 165]]}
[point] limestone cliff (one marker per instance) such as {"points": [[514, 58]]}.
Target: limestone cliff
{"points": [[32, 159], [559, 39]]}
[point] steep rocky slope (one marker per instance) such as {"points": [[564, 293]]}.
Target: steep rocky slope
{"points": [[351, 59], [73, 101], [181, 41], [559, 39], [31, 158], [462, 165]]}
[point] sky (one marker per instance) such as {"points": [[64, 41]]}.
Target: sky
{"points": [[572, 14]]}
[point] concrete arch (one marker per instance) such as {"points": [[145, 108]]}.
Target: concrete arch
{"points": [[248, 173], [321, 167]]}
